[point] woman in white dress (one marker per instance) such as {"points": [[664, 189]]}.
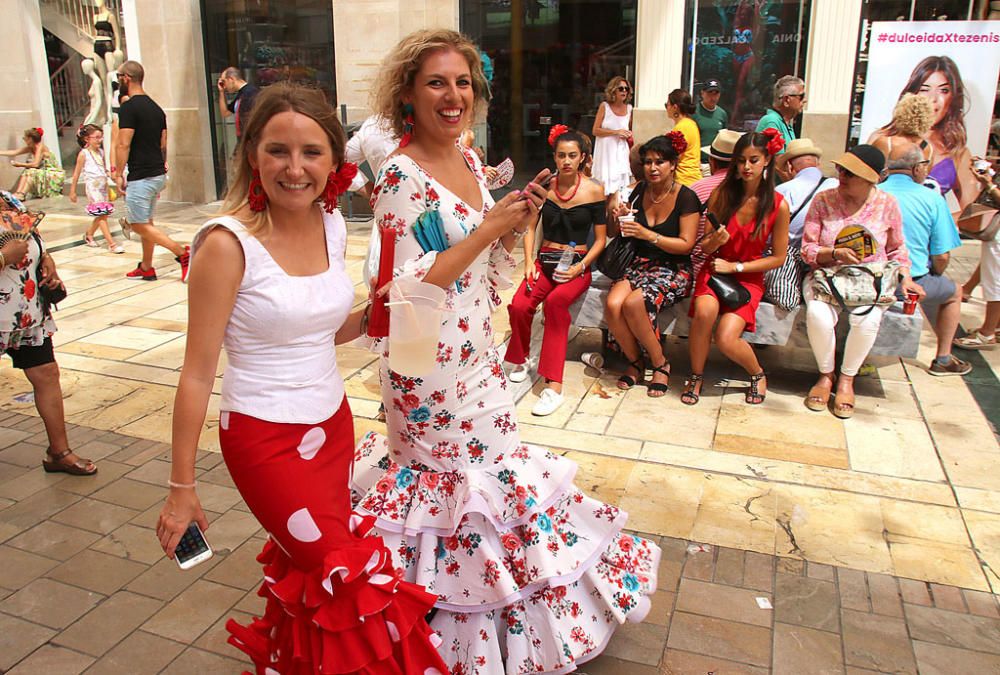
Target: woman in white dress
{"points": [[613, 131], [531, 574]]}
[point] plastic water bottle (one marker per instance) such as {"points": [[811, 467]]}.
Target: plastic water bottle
{"points": [[566, 259]]}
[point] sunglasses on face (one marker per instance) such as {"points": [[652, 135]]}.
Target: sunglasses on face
{"points": [[625, 89], [801, 96], [844, 173]]}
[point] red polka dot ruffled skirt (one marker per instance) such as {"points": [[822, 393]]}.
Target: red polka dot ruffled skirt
{"points": [[335, 604]]}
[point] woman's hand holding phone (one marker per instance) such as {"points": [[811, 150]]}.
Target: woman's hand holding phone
{"points": [[181, 508], [717, 237]]}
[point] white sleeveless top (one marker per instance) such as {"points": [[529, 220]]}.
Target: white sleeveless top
{"points": [[282, 361], [92, 168]]}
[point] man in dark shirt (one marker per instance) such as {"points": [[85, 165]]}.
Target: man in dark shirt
{"points": [[142, 145], [232, 82]]}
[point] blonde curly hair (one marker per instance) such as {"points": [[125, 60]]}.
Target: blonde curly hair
{"points": [[912, 116], [400, 66], [611, 90]]}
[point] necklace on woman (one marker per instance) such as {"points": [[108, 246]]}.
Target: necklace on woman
{"points": [[579, 179], [666, 194]]}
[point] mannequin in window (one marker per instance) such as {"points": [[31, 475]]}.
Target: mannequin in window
{"points": [[97, 115], [107, 48]]}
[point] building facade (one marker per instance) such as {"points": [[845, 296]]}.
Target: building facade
{"points": [[550, 60]]}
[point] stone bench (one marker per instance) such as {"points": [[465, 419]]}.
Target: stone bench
{"points": [[899, 334]]}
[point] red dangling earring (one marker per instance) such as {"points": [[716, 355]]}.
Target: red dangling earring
{"points": [[256, 195], [407, 125], [337, 183]]}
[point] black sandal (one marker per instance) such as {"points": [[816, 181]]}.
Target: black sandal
{"points": [[626, 382], [658, 389], [690, 396], [753, 396]]}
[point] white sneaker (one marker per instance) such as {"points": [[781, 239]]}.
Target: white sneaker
{"points": [[519, 373], [548, 403]]}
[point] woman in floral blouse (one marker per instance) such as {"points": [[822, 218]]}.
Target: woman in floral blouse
{"points": [[529, 571], [26, 329], [857, 201]]}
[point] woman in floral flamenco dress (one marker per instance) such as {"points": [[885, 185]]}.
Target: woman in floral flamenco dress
{"points": [[532, 575]]}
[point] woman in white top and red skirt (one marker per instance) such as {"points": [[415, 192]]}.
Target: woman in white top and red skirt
{"points": [[270, 284]]}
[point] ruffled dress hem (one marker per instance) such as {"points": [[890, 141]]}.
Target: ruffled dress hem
{"points": [[353, 616]]}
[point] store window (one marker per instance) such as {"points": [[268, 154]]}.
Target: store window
{"points": [[746, 45], [269, 41], [901, 10], [551, 60]]}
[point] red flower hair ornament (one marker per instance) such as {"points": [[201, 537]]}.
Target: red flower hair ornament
{"points": [[775, 141], [678, 141], [555, 132], [337, 183], [41, 131]]}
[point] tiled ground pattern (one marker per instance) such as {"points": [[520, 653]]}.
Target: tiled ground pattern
{"points": [[85, 587]]}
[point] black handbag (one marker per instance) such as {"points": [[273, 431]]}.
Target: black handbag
{"points": [[616, 257], [49, 297], [728, 290]]}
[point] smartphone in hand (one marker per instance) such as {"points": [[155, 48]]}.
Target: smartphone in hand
{"points": [[192, 549]]}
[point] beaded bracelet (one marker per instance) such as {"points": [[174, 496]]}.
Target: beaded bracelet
{"points": [[181, 485]]}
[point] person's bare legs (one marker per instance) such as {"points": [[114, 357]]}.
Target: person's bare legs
{"points": [[970, 285], [706, 310], [22, 187], [44, 381], [991, 320], [736, 349], [151, 237], [948, 315], [639, 325], [101, 222], [614, 316]]}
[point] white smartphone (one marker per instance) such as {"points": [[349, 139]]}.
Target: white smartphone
{"points": [[192, 549]]}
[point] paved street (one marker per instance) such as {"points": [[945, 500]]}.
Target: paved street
{"points": [[875, 540]]}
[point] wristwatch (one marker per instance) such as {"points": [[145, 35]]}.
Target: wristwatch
{"points": [[739, 268]]}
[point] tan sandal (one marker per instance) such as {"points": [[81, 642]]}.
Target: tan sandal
{"points": [[843, 405], [57, 464], [818, 397]]}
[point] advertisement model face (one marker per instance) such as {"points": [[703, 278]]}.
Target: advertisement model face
{"points": [[954, 65]]}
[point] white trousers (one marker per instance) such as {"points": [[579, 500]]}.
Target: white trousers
{"points": [[821, 326]]}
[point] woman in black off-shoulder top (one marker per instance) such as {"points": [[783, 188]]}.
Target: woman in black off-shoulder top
{"points": [[574, 206]]}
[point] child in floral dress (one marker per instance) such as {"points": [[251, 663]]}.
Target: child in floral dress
{"points": [[91, 168]]}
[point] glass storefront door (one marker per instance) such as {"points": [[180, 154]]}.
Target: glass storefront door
{"points": [[746, 45], [269, 41], [551, 61]]}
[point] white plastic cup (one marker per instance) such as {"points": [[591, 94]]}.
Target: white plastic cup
{"points": [[414, 326]]}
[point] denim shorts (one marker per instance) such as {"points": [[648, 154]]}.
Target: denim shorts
{"points": [[939, 289], [141, 196]]}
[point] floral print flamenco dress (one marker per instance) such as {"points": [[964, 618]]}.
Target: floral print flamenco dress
{"points": [[532, 575]]}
